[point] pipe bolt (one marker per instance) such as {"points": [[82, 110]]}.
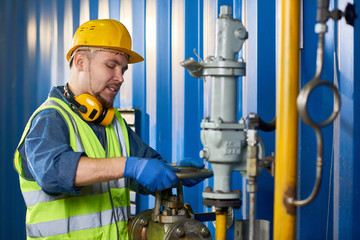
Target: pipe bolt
{"points": [[237, 191], [204, 232], [242, 120], [241, 34], [225, 11], [143, 222], [320, 28], [180, 232], [181, 212], [204, 154], [208, 189]]}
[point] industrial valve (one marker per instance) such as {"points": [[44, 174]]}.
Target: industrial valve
{"points": [[229, 145], [171, 218], [223, 137]]}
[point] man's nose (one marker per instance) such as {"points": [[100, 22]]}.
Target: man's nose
{"points": [[119, 76]]}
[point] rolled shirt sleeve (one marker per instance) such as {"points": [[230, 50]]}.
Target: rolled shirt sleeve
{"points": [[49, 157]]}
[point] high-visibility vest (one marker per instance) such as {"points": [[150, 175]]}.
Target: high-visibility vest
{"points": [[91, 215]]}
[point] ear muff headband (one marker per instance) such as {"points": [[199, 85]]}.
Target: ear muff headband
{"points": [[90, 108], [71, 97]]}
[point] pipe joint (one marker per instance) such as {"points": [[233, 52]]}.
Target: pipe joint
{"points": [[320, 28]]}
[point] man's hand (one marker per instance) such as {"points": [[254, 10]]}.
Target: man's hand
{"points": [[153, 174], [189, 162]]}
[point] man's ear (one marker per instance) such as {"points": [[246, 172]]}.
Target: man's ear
{"points": [[78, 61]]}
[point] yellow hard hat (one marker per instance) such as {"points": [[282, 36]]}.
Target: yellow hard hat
{"points": [[104, 33]]}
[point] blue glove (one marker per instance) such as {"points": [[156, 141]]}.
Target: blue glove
{"points": [[189, 162], [153, 174]]}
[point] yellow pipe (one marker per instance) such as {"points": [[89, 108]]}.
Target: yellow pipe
{"points": [[220, 231], [286, 118]]}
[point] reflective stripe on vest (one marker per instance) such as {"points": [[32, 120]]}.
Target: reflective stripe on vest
{"points": [[75, 223], [33, 197], [92, 213]]}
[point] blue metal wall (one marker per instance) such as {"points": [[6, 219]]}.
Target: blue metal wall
{"points": [[11, 121], [319, 210], [36, 34], [346, 155], [332, 214], [259, 89]]}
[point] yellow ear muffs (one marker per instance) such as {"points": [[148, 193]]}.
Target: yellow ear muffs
{"points": [[93, 107], [107, 117], [94, 110], [90, 108]]}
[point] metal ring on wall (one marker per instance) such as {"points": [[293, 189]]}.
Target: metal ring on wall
{"points": [[302, 102]]}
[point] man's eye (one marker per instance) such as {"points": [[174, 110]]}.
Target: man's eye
{"points": [[110, 66], [123, 70]]}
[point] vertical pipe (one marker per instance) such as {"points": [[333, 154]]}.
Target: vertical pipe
{"points": [[220, 231], [287, 118], [224, 98], [252, 216], [157, 204]]}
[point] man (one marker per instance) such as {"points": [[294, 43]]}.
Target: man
{"points": [[77, 154]]}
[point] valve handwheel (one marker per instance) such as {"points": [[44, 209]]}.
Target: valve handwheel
{"points": [[193, 173]]}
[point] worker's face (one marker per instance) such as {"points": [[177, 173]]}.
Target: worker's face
{"points": [[105, 72]]}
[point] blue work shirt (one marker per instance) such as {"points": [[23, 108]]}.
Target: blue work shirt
{"points": [[48, 158]]}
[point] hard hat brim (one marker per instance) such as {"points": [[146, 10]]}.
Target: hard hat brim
{"points": [[133, 56]]}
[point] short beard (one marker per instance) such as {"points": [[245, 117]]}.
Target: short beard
{"points": [[104, 103]]}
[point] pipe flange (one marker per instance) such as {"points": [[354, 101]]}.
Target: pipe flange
{"points": [[139, 224], [188, 229], [320, 28], [222, 203], [222, 126], [222, 195], [223, 67]]}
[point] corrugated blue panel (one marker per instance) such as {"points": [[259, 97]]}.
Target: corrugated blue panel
{"points": [[237, 179], [114, 13], [266, 65], [319, 210], [259, 91], [30, 64], [30, 60], [193, 87], [178, 72], [44, 48], [139, 89], [151, 61], [11, 75], [193, 96], [251, 24], [163, 79], [237, 9], [114, 7], [346, 169], [76, 6], [139, 92], [237, 13], [58, 63], [356, 139], [94, 9]]}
